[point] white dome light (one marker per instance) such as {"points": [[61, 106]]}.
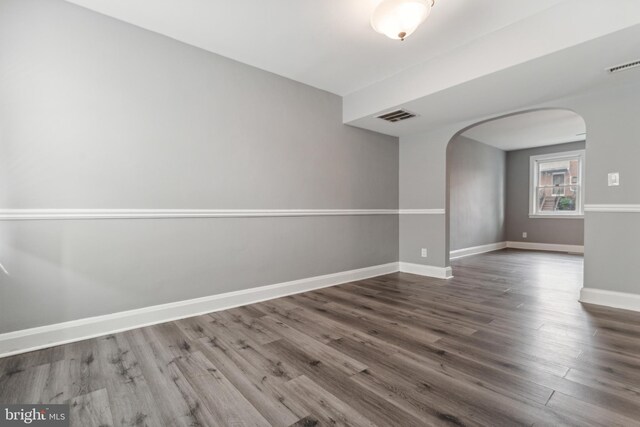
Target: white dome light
{"points": [[397, 19]]}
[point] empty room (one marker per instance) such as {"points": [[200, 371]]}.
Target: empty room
{"points": [[316, 213]]}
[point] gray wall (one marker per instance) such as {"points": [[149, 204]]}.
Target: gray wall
{"points": [[96, 113], [611, 250], [476, 174], [611, 238], [564, 231], [422, 177]]}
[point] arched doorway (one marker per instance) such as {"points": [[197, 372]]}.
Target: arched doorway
{"points": [[517, 181]]}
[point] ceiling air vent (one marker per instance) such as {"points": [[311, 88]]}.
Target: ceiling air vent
{"points": [[396, 116], [624, 67]]}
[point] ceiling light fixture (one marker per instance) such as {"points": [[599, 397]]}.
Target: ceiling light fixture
{"points": [[397, 19]]}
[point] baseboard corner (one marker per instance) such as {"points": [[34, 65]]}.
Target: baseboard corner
{"points": [[613, 299], [426, 270], [549, 247]]}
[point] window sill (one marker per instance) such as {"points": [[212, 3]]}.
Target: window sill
{"points": [[556, 216]]}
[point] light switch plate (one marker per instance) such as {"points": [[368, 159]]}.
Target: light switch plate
{"points": [[614, 179]]}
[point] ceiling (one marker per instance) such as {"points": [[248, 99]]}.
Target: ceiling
{"points": [[530, 129], [564, 73], [328, 44], [470, 60]]}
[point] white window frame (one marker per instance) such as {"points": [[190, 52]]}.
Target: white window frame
{"points": [[534, 175]]}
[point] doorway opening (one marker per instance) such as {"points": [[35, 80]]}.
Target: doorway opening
{"points": [[517, 181]]}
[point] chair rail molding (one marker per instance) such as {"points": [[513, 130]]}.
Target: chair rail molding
{"points": [[60, 214], [620, 208], [421, 211]]}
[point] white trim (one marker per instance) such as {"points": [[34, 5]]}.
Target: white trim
{"points": [[421, 211], [426, 270], [534, 175], [613, 299], [546, 247], [561, 155], [63, 214], [613, 208], [21, 214], [556, 216], [76, 330], [459, 253]]}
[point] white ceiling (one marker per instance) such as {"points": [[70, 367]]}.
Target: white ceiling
{"points": [[328, 44], [567, 72], [470, 60], [531, 129]]}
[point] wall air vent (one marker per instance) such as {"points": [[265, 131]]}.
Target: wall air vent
{"points": [[397, 115], [623, 67]]}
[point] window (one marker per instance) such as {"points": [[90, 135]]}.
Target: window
{"points": [[557, 185]]}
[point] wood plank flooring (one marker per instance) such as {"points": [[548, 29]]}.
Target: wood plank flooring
{"points": [[504, 343]]}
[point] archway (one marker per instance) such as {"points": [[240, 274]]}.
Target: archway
{"points": [[499, 206]]}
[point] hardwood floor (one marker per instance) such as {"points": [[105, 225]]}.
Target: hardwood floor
{"points": [[503, 343]]}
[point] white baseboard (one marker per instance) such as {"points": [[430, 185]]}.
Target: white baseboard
{"points": [[459, 253], [474, 250], [426, 270], [610, 298], [76, 330], [546, 247]]}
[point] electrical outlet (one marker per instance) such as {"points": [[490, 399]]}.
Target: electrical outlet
{"points": [[613, 179], [423, 253], [524, 234]]}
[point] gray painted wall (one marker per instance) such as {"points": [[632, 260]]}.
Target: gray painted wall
{"points": [[611, 250], [422, 231], [564, 231], [611, 239], [96, 113], [62, 270], [476, 174], [422, 174]]}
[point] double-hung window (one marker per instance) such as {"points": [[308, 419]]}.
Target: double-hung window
{"points": [[557, 185]]}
